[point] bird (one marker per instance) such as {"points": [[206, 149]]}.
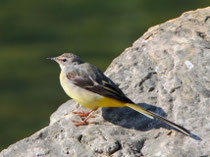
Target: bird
{"points": [[90, 87]]}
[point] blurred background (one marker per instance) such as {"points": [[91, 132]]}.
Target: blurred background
{"points": [[96, 30]]}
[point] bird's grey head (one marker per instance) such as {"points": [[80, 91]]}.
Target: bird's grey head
{"points": [[67, 59]]}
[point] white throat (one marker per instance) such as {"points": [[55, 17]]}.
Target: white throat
{"points": [[62, 66]]}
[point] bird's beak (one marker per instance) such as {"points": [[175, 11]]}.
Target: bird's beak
{"points": [[52, 58]]}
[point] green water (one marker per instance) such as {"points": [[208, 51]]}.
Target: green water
{"points": [[30, 31]]}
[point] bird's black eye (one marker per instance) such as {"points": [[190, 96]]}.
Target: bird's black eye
{"points": [[64, 60]]}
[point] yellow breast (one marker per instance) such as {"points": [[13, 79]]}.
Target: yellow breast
{"points": [[82, 96]]}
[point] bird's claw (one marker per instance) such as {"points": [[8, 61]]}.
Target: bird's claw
{"points": [[83, 114]]}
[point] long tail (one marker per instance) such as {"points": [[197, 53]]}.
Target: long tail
{"points": [[154, 115]]}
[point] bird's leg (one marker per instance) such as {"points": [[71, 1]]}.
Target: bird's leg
{"points": [[82, 113], [85, 120]]}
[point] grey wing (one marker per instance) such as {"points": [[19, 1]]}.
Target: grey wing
{"points": [[94, 80]]}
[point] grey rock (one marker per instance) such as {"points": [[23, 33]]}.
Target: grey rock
{"points": [[167, 70]]}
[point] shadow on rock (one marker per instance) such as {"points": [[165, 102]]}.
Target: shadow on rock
{"points": [[129, 118]]}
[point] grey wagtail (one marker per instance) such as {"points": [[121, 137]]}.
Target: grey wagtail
{"points": [[88, 86]]}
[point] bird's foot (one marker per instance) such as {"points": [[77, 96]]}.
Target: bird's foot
{"points": [[80, 123], [83, 114]]}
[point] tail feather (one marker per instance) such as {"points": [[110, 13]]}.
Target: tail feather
{"points": [[154, 115]]}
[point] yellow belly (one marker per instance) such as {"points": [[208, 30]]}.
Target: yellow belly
{"points": [[109, 102], [87, 98]]}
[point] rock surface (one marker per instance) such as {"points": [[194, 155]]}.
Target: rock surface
{"points": [[168, 69]]}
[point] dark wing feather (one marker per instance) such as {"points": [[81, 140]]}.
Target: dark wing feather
{"points": [[98, 83]]}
